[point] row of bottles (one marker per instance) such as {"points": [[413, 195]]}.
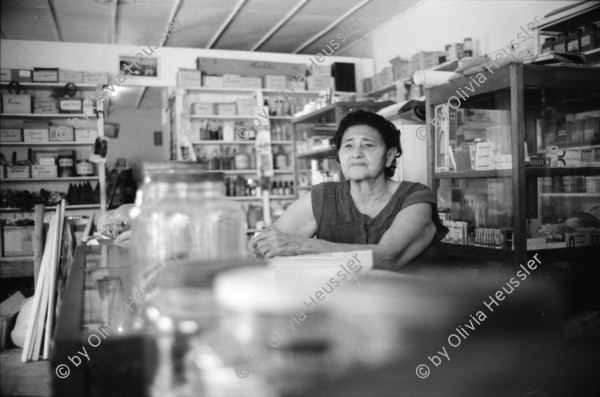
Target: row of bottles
{"points": [[289, 107], [251, 187], [215, 130], [240, 158]]}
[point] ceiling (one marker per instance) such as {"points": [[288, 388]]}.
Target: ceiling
{"points": [[286, 26]]}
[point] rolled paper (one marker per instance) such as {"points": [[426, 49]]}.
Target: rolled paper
{"points": [[429, 78]]}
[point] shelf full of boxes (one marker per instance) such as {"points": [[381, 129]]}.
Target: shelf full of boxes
{"points": [[48, 127], [217, 120]]}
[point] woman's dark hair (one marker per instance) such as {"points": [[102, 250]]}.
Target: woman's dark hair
{"points": [[388, 131]]}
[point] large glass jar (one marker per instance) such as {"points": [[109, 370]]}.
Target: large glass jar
{"points": [[191, 221]]}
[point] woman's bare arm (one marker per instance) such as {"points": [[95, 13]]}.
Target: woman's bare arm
{"points": [[410, 233]]}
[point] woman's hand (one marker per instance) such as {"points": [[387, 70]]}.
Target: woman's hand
{"points": [[270, 243]]}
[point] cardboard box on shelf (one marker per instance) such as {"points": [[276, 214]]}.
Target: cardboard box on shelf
{"points": [[401, 68], [323, 71], [68, 76], [251, 82], [35, 131], [212, 81], [45, 107], [367, 85], [11, 135], [95, 78], [231, 80], [5, 74], [45, 156], [21, 75], [85, 135], [590, 157], [17, 241], [577, 239], [70, 105], [274, 82], [61, 133], [203, 109], [226, 109], [387, 76], [219, 66], [42, 171], [16, 104], [318, 83], [246, 106], [425, 60], [45, 75], [189, 78], [18, 172]]}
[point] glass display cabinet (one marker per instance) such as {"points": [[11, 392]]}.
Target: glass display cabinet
{"points": [[514, 156]]}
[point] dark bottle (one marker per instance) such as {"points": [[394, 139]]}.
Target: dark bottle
{"points": [[240, 186]]}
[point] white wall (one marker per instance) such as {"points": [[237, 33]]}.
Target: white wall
{"points": [[432, 24], [135, 141]]}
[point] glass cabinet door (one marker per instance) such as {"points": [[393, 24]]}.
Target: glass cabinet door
{"points": [[473, 167], [562, 131]]}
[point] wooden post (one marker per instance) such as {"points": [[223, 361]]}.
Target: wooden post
{"points": [[38, 240]]}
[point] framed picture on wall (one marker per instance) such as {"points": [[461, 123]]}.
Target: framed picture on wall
{"points": [[139, 67]]}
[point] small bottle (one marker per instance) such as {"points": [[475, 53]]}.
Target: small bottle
{"points": [[273, 188], [588, 38], [560, 44], [286, 189], [291, 187], [280, 190], [548, 45], [281, 159], [240, 186], [253, 158], [574, 41], [242, 160], [468, 46]]}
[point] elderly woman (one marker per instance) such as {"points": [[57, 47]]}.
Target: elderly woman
{"points": [[398, 221]]}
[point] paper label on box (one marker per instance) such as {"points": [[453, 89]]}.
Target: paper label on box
{"points": [[226, 109], [95, 78], [48, 76], [71, 105], [203, 109], [10, 135], [86, 135], [213, 81], [43, 171], [46, 161], [35, 135], [17, 171], [231, 80], [46, 107]]}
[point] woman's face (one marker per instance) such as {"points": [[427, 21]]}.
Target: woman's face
{"points": [[363, 154]]}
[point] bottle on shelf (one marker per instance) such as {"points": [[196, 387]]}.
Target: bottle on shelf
{"points": [[214, 162], [253, 158], [281, 159], [240, 186], [242, 160]]}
